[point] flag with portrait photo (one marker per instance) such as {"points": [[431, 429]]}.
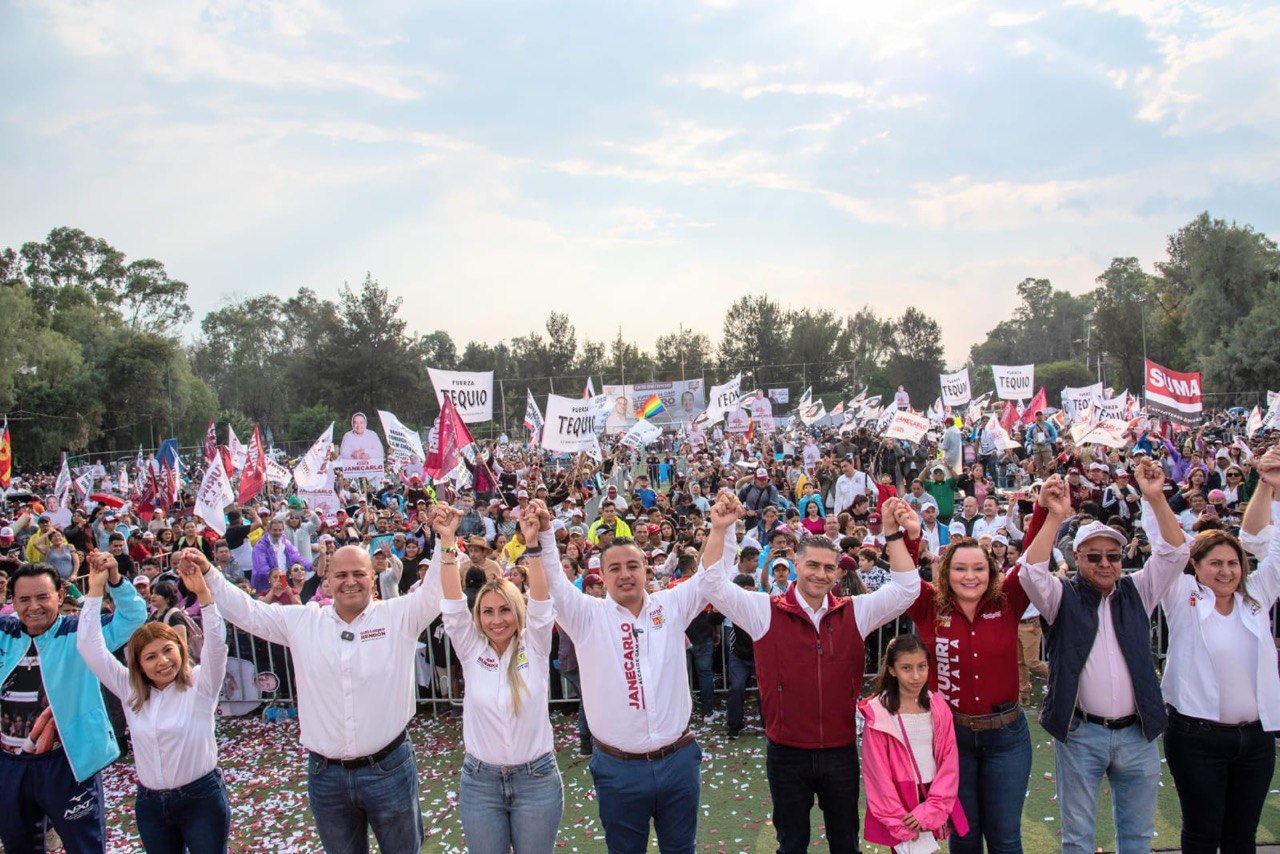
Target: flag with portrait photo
{"points": [[6, 456]]}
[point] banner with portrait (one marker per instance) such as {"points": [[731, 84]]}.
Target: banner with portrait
{"points": [[682, 401]]}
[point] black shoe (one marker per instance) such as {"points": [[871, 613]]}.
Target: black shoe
{"points": [[733, 731], [586, 746]]}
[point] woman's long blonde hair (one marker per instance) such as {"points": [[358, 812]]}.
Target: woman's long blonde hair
{"points": [[139, 680], [514, 599]]}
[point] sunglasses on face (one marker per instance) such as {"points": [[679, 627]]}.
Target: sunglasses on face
{"points": [[1096, 558]]}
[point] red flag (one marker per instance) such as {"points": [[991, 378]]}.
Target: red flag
{"points": [[453, 436], [210, 444], [1009, 417], [1038, 403], [255, 468]]}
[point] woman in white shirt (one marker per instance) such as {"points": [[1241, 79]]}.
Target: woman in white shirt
{"points": [[1221, 683], [169, 705], [510, 797]]}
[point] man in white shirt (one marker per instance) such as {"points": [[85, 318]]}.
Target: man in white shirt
{"points": [[850, 484], [354, 665], [991, 523], [635, 689]]}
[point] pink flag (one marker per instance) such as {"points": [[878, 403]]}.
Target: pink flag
{"points": [[453, 437]]}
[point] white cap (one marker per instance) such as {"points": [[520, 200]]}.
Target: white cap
{"points": [[1098, 529], [762, 472], [593, 562], [957, 528]]}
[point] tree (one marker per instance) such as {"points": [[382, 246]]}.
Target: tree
{"points": [[1047, 326], [1118, 315], [1055, 376], [683, 354], [861, 346], [562, 344], [812, 336], [306, 425], [915, 355], [1247, 358], [438, 351], [755, 336]]}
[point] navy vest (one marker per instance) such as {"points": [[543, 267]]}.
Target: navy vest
{"points": [[1071, 637]]}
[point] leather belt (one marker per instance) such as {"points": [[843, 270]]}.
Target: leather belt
{"points": [[979, 723], [1204, 722], [366, 761], [652, 756], [1109, 723]]}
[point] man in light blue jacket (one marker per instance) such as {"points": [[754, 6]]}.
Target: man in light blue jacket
{"points": [[55, 736]]}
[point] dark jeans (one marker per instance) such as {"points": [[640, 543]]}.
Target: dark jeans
{"points": [[575, 681], [347, 802], [1222, 775], [995, 767], [740, 673], [195, 817], [796, 775], [629, 792], [35, 787], [701, 674]]}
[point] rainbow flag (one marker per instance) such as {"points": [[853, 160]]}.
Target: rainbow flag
{"points": [[651, 407]]}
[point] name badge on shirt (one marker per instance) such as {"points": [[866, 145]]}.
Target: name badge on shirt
{"points": [[372, 634], [656, 618]]}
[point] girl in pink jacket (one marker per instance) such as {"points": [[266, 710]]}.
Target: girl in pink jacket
{"points": [[910, 767]]}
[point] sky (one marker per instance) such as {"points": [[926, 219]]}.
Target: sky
{"points": [[638, 165]]}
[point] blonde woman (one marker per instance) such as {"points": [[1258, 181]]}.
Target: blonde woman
{"points": [[182, 799], [511, 797]]}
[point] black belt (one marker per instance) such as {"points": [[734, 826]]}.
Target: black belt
{"points": [[1109, 723], [366, 761], [1174, 713]]}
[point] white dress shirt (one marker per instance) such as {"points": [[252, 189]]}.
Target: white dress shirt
{"points": [[354, 695], [635, 685], [1106, 686], [172, 734], [491, 731], [753, 611], [1195, 681]]}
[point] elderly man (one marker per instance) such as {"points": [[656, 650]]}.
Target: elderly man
{"points": [[55, 736], [354, 661], [1104, 707], [274, 551]]}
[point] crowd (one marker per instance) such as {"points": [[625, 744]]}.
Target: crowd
{"points": [[788, 549]]}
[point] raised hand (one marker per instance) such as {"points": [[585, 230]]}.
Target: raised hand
{"points": [[538, 508], [1268, 466], [530, 526], [1150, 479], [904, 518], [101, 566], [444, 521], [1055, 497], [726, 511], [192, 565]]}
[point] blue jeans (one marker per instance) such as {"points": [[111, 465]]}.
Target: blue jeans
{"points": [[701, 673], [347, 802], [1132, 766], [630, 792], [584, 727], [995, 767], [740, 672], [505, 808], [195, 817], [796, 776], [35, 787]]}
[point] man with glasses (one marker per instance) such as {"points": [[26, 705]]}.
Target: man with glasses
{"points": [[1104, 707]]}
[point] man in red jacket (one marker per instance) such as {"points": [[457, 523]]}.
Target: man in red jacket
{"points": [[810, 658]]}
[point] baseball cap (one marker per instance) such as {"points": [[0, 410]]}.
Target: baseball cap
{"points": [[1217, 495], [957, 529], [493, 502], [868, 542], [142, 581], [524, 493], [6, 532], [1099, 467], [874, 519], [264, 511], [575, 531], [558, 524], [1098, 529], [847, 563], [654, 529], [762, 472], [779, 561], [147, 535], [591, 579], [594, 562]]}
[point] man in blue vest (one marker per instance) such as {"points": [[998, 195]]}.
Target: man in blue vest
{"points": [[55, 737], [1104, 708]]}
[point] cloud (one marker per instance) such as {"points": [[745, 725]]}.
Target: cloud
{"points": [[276, 46], [1013, 18], [750, 80]]}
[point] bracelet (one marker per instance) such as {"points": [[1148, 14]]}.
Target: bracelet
{"points": [[536, 550], [449, 550], [897, 535]]}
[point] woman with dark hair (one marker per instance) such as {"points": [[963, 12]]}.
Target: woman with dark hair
{"points": [[970, 613], [1220, 681]]}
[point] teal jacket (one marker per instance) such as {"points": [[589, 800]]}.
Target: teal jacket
{"points": [[75, 694]]}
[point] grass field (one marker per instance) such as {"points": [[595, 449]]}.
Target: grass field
{"points": [[265, 770]]}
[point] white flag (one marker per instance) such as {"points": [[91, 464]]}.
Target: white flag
{"points": [[641, 434], [470, 391], [1254, 424], [405, 443], [214, 495], [999, 436], [907, 425], [278, 474], [239, 453], [532, 417], [63, 485], [955, 388], [1014, 382], [570, 425], [313, 471], [811, 413], [722, 399]]}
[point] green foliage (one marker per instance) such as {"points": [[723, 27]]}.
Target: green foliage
{"points": [[915, 356], [306, 425], [1055, 376], [1049, 325]]}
